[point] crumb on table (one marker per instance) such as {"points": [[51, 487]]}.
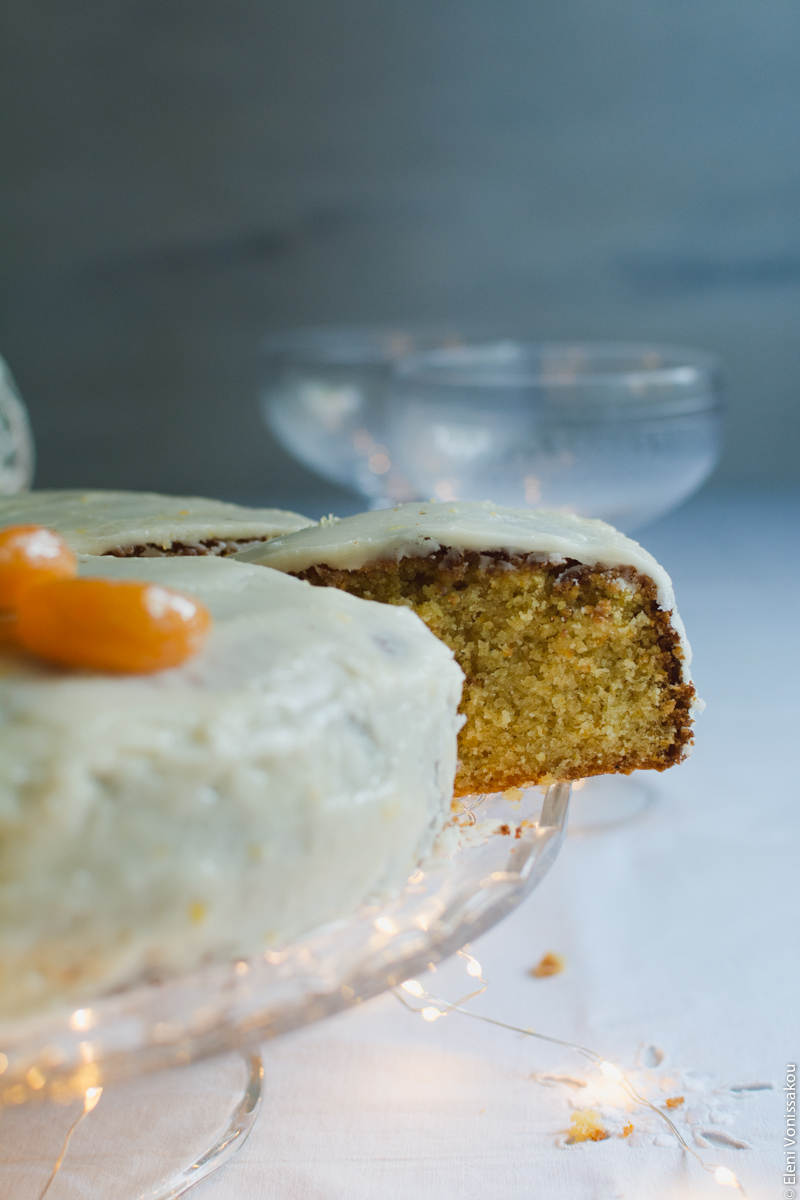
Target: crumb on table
{"points": [[549, 964], [674, 1101], [627, 1130], [586, 1126]]}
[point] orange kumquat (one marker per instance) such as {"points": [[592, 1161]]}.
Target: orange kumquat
{"points": [[111, 625], [30, 554]]}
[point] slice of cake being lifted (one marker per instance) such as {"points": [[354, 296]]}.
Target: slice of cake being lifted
{"points": [[147, 524], [575, 658]]}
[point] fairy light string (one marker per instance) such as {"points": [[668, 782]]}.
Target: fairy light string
{"points": [[91, 1098], [433, 1007]]}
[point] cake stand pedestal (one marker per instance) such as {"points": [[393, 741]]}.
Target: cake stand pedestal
{"points": [[227, 1144]]}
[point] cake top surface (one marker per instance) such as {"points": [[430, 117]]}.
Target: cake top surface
{"points": [[417, 530], [97, 522]]}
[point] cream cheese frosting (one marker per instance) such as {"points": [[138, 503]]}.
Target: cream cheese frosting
{"points": [[97, 522], [417, 530], [301, 763]]}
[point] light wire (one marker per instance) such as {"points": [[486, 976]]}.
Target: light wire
{"points": [[721, 1174], [90, 1099]]}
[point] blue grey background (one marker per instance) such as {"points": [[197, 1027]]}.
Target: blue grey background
{"points": [[180, 176]]}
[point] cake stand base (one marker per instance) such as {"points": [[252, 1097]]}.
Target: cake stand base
{"points": [[98, 1065], [227, 1144], [606, 802], [129, 1143]]}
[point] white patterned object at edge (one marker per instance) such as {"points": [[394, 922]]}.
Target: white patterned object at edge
{"points": [[16, 439]]}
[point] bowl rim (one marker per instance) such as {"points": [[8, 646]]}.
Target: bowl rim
{"points": [[554, 365]]}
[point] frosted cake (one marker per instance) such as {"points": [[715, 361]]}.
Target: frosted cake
{"points": [[300, 763], [575, 658]]}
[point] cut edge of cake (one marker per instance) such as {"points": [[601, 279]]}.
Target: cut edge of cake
{"points": [[575, 658]]}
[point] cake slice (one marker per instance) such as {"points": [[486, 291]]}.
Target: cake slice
{"points": [[575, 658], [147, 524]]}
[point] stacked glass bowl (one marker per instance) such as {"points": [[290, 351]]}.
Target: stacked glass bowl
{"points": [[619, 431]]}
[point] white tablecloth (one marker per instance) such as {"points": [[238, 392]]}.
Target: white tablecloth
{"points": [[680, 938]]}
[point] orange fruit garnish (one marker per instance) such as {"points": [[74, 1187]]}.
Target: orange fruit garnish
{"points": [[111, 625], [8, 630], [31, 554]]}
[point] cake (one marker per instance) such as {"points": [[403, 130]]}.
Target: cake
{"points": [[575, 659], [146, 524], [298, 765]]}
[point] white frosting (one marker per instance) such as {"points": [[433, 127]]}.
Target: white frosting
{"points": [[302, 762], [96, 522], [417, 530]]}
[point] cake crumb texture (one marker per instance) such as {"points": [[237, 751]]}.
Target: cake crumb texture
{"points": [[571, 670]]}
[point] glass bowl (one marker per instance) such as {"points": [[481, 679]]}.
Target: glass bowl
{"points": [[621, 432], [490, 856], [624, 432], [324, 393]]}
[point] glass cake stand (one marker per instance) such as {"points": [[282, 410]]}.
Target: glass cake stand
{"points": [[492, 853]]}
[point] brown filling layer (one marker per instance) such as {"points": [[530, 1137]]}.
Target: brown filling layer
{"points": [[221, 547], [571, 670]]}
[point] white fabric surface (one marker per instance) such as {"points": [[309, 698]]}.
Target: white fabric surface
{"points": [[679, 932]]}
